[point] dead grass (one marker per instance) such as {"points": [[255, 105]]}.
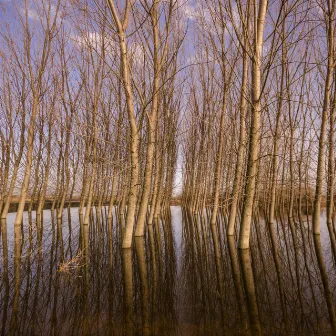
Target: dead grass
{"points": [[69, 266]]}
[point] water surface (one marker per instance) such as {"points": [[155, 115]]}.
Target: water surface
{"points": [[183, 278]]}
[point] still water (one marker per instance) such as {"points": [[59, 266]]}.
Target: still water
{"points": [[183, 278]]}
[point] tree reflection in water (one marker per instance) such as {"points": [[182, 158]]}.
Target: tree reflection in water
{"points": [[185, 277]]}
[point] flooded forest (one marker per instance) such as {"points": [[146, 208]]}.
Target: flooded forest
{"points": [[167, 167]]}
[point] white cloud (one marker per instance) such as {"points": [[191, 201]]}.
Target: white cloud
{"points": [[137, 52], [189, 12], [94, 40], [32, 14], [187, 9]]}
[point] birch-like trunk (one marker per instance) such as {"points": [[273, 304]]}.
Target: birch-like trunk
{"points": [[245, 229]]}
